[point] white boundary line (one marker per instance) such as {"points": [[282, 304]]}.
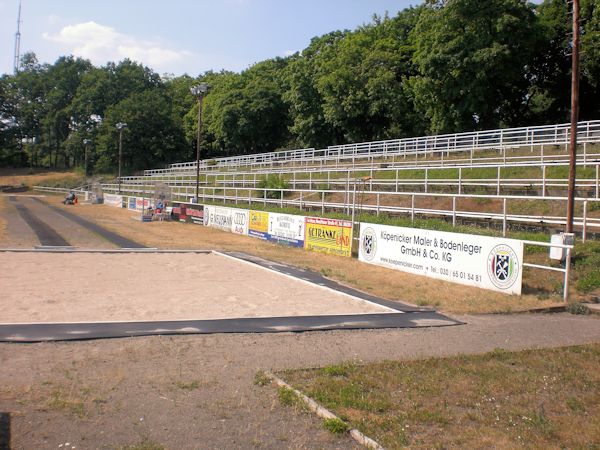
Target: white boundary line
{"points": [[391, 310]]}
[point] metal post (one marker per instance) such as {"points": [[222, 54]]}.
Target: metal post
{"points": [[412, 208], [504, 224], [396, 180], [574, 117], [567, 273], [426, 179], [353, 203], [459, 180], [498, 182], [543, 181], [584, 231], [378, 204], [199, 91], [323, 202], [453, 212], [597, 181]]}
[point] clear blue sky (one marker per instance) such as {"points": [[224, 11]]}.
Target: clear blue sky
{"points": [[179, 36]]}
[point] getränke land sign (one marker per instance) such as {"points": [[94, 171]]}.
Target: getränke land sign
{"points": [[481, 261]]}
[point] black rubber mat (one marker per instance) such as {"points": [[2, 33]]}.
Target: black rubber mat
{"points": [[320, 280], [45, 234], [110, 236], [103, 330]]}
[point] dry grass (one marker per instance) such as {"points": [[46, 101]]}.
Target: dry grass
{"points": [[386, 283], [532, 399], [23, 177]]}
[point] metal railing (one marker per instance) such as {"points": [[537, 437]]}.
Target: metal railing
{"points": [[501, 139]]}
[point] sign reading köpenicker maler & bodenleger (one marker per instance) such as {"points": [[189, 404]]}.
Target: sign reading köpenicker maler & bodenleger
{"points": [[481, 261]]}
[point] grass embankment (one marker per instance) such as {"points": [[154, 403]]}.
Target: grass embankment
{"points": [[26, 178], [532, 399]]}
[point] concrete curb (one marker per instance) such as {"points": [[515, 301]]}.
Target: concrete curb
{"points": [[324, 413]]}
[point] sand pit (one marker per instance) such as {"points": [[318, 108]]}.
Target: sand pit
{"points": [[98, 287]]}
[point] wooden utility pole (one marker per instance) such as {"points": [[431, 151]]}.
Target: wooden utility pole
{"points": [[574, 117]]}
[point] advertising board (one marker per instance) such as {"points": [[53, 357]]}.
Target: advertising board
{"points": [[258, 225], [113, 200], [142, 203], [184, 212], [481, 261], [131, 203], [218, 217], [286, 229], [329, 236], [239, 221]]}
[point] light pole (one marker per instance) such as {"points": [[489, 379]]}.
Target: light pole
{"points": [[86, 143], [120, 126], [199, 91]]}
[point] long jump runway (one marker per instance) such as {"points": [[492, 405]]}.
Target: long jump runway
{"points": [[75, 295]]}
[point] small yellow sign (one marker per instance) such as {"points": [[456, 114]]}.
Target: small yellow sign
{"points": [[259, 224]]}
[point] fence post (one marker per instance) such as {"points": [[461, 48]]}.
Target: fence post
{"points": [[459, 180], [453, 212], [543, 180], [396, 180], [584, 231], [264, 197], [567, 273], [378, 205], [323, 202], [281, 199], [498, 182], [426, 180], [412, 208], [597, 181], [504, 224]]}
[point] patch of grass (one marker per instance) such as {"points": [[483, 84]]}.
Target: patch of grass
{"points": [[337, 370], [287, 397], [335, 425], [261, 378], [144, 445], [59, 401], [577, 308], [533, 399], [275, 183], [188, 386]]}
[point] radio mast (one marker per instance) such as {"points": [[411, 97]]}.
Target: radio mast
{"points": [[17, 61]]}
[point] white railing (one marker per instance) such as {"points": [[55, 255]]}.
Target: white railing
{"points": [[587, 132]]}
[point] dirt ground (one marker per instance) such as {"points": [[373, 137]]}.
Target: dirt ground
{"points": [[190, 392]]}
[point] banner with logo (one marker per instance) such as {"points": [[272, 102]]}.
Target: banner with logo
{"points": [[113, 200], [218, 217], [184, 212], [286, 229], [239, 222], [142, 203], [131, 203], [329, 236], [258, 225], [481, 261]]}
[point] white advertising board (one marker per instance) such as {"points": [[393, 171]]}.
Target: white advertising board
{"points": [[113, 200], [286, 229], [481, 261], [218, 217], [240, 221]]}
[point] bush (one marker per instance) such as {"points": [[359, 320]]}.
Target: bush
{"points": [[275, 182], [577, 308]]}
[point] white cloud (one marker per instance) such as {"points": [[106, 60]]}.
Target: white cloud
{"points": [[101, 44]]}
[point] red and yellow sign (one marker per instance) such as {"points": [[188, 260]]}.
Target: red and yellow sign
{"points": [[329, 236]]}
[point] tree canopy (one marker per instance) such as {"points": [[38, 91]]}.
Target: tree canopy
{"points": [[444, 66]]}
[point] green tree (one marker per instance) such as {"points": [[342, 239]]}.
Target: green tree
{"points": [[472, 58]]}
